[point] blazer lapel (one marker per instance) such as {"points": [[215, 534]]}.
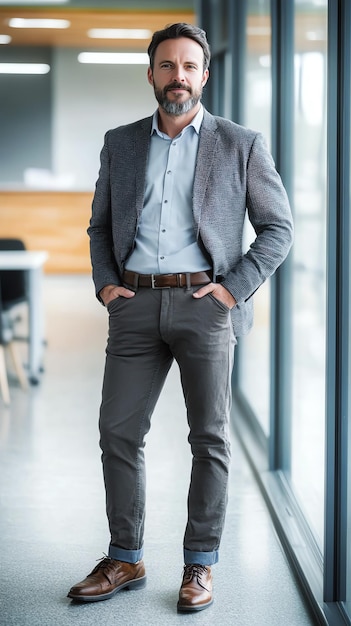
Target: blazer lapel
{"points": [[141, 150], [207, 145]]}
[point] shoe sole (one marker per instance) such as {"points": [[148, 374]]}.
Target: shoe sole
{"points": [[130, 585], [181, 608]]}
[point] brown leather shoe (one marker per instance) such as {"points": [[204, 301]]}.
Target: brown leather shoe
{"points": [[196, 590], [108, 577]]}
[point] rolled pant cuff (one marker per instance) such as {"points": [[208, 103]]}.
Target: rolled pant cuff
{"points": [[200, 558], [128, 556]]}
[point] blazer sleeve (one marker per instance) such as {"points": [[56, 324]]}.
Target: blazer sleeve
{"points": [[100, 228], [270, 215]]}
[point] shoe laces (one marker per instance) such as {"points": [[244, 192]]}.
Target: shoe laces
{"points": [[105, 563], [190, 571]]}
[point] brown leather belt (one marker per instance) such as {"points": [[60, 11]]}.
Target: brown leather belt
{"points": [[162, 281]]}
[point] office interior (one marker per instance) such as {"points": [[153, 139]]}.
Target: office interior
{"points": [[281, 67]]}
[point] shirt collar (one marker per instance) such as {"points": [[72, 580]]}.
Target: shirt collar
{"points": [[195, 122]]}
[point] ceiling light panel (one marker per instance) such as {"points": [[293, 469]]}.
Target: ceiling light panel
{"points": [[32, 2], [21, 22], [119, 33], [24, 68], [114, 58]]}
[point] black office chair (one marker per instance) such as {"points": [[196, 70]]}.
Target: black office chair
{"points": [[13, 287], [13, 282]]}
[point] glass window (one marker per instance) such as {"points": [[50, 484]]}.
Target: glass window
{"points": [[254, 348], [309, 263]]}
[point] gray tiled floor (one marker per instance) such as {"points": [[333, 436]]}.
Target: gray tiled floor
{"points": [[53, 525]]}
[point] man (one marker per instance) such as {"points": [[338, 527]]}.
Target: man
{"points": [[166, 247]]}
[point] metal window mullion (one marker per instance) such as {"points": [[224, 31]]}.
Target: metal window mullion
{"points": [[282, 14], [338, 291], [237, 44], [344, 287]]}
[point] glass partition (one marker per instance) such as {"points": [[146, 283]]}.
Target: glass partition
{"points": [[254, 348], [309, 263]]}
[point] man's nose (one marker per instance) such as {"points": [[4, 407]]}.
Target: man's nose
{"points": [[178, 74]]}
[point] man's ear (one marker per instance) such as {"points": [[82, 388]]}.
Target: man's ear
{"points": [[205, 77], [150, 76]]}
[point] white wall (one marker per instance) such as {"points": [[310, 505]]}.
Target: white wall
{"points": [[87, 101]]}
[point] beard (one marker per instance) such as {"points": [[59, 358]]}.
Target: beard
{"points": [[175, 107]]}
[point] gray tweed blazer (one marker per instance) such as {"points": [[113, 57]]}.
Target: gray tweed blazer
{"points": [[235, 174]]}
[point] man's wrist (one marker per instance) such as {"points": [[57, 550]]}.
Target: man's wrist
{"points": [[105, 292]]}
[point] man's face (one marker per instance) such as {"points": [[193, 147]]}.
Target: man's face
{"points": [[178, 76]]}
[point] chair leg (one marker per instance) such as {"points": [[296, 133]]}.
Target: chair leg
{"points": [[4, 385], [21, 375]]}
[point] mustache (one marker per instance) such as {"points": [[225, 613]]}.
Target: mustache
{"points": [[176, 86]]}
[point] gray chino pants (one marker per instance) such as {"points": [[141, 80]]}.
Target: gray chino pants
{"points": [[146, 333]]}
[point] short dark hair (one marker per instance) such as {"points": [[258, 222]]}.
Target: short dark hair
{"points": [[174, 31]]}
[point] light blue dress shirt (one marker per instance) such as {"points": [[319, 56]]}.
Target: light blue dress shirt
{"points": [[165, 241]]}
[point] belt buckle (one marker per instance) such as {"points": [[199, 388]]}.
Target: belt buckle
{"points": [[153, 283]]}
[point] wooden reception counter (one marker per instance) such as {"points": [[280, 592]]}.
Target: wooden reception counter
{"points": [[55, 221]]}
